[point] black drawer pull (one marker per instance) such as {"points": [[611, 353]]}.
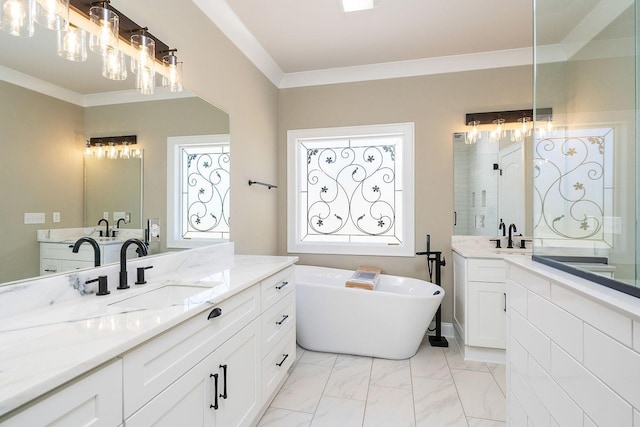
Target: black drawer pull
{"points": [[215, 391], [283, 359], [282, 285], [216, 312], [284, 318], [505, 301], [224, 384], [48, 270]]}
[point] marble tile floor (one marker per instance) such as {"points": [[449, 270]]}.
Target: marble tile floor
{"points": [[434, 388]]}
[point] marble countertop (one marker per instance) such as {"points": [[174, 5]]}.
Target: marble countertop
{"points": [[47, 345], [70, 235], [482, 247]]}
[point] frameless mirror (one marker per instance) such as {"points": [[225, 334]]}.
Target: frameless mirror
{"points": [[113, 188], [491, 183]]}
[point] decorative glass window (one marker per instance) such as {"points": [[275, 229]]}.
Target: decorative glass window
{"points": [[198, 190], [350, 190]]}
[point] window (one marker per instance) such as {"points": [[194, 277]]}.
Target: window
{"points": [[350, 190], [197, 190]]}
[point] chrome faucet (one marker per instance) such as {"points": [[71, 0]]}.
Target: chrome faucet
{"points": [[96, 248], [512, 229], [142, 251], [107, 231]]}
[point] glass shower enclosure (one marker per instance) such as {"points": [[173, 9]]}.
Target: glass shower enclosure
{"points": [[585, 156]]}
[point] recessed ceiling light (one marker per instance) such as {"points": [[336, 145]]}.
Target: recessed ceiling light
{"points": [[355, 5]]}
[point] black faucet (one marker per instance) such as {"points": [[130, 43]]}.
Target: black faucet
{"points": [[96, 249], [502, 226], [512, 229], [107, 222], [142, 251], [118, 224]]}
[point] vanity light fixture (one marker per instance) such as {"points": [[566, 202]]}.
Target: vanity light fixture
{"points": [[143, 62], [356, 5], [112, 147], [173, 75], [72, 43], [17, 17], [107, 23], [545, 128], [52, 14], [517, 122]]}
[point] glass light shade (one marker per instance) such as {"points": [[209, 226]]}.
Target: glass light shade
{"points": [[499, 132], [52, 14], [17, 17], [114, 65], [105, 34], [173, 75], [474, 134], [72, 44], [143, 64]]}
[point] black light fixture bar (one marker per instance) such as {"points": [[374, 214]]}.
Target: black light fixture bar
{"points": [[127, 26], [513, 116], [117, 140]]}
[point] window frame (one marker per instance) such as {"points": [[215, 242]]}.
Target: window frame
{"points": [[295, 139], [174, 195]]}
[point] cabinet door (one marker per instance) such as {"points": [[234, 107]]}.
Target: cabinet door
{"points": [[487, 316], [94, 400], [459, 285], [237, 363], [183, 403]]}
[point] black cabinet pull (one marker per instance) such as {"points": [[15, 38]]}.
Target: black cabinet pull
{"points": [[215, 391], [215, 313], [284, 318], [282, 285], [283, 359], [224, 384], [505, 301]]}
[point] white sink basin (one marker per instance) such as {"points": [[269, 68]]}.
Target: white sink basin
{"points": [[167, 296]]}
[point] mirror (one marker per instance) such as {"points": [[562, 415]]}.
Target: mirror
{"points": [[113, 186], [44, 125], [491, 182]]}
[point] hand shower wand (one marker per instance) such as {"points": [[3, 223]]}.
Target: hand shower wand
{"points": [[435, 261]]}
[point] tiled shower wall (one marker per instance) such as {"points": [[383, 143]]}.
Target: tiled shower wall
{"points": [[571, 360]]}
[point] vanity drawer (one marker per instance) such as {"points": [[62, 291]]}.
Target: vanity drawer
{"points": [[486, 270], [154, 365], [277, 363], [277, 321], [276, 287], [63, 251]]}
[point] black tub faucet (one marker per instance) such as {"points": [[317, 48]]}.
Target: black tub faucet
{"points": [[512, 229], [96, 249], [107, 223], [142, 251]]}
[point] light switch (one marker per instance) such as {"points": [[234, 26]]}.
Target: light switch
{"points": [[105, 215], [56, 217], [34, 218]]}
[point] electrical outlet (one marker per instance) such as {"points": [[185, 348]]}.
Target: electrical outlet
{"points": [[56, 217], [153, 229], [105, 215], [127, 217]]}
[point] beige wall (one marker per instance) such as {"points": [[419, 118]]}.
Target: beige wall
{"points": [[437, 105], [40, 171]]}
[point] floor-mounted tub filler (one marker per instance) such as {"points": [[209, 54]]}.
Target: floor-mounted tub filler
{"points": [[388, 322]]}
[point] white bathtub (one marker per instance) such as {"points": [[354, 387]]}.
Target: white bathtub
{"points": [[388, 322]]}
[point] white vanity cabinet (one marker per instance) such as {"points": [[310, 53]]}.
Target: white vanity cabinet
{"points": [[58, 257], [278, 330], [480, 305], [94, 399], [221, 390]]}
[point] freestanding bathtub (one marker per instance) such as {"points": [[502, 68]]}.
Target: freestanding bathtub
{"points": [[388, 322]]}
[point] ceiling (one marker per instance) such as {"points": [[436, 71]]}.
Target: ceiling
{"points": [[303, 43]]}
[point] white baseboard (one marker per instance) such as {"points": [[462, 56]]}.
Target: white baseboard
{"points": [[446, 329]]}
